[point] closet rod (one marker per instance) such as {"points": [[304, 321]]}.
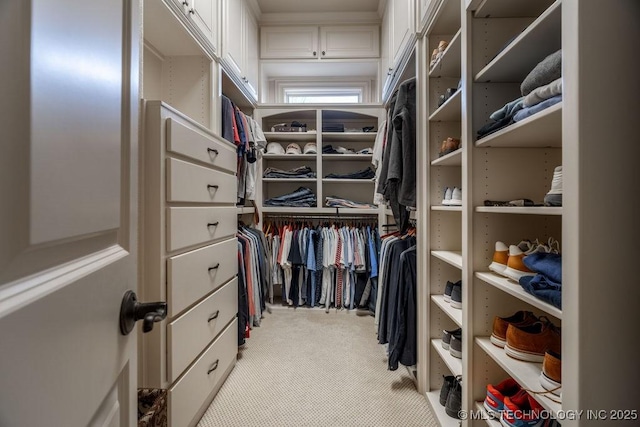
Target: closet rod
{"points": [[327, 217]]}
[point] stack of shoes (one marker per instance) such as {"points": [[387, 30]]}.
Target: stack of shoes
{"points": [[530, 343], [437, 53], [452, 341], [551, 375], [554, 196], [494, 401], [449, 145], [451, 395], [508, 261], [452, 196]]}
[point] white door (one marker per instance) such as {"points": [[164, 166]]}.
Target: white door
{"points": [[68, 172], [350, 41]]}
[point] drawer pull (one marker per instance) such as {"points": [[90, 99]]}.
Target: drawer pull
{"points": [[213, 224], [215, 267], [213, 150], [214, 367], [209, 187], [214, 316]]}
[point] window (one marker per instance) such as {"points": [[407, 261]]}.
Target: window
{"points": [[323, 96]]}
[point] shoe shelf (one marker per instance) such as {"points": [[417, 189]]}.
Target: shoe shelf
{"points": [[517, 291], [288, 156], [453, 363], [454, 313], [541, 38], [446, 208], [449, 63], [450, 111], [338, 157], [491, 420], [540, 130], [288, 179], [451, 159], [527, 374], [291, 137], [246, 210], [528, 210], [511, 8], [347, 181], [349, 136], [444, 420], [450, 257]]}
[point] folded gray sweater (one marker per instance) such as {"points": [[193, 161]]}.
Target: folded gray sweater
{"points": [[547, 70]]}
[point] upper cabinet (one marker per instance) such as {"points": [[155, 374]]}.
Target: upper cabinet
{"points": [[398, 35], [320, 42], [240, 46], [204, 15]]}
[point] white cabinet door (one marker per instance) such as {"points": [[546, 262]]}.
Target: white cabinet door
{"points": [[289, 42], [251, 75], [402, 26], [386, 56], [233, 30], [68, 216], [354, 41], [204, 15]]}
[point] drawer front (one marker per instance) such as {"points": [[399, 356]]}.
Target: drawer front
{"points": [[190, 333], [187, 182], [196, 145], [192, 275], [189, 394], [192, 226]]}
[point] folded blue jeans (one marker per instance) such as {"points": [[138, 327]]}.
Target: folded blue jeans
{"points": [[541, 287], [544, 263]]}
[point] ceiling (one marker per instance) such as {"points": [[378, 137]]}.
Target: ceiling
{"points": [[314, 6]]}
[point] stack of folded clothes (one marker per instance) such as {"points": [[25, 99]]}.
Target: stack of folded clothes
{"points": [[333, 127], [301, 172], [367, 173], [337, 202], [547, 282], [303, 197], [541, 89]]}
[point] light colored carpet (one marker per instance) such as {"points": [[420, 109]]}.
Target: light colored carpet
{"points": [[306, 367]]}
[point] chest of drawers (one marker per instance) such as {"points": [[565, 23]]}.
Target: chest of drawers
{"points": [[188, 257]]}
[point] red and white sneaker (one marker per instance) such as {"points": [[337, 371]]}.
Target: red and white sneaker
{"points": [[521, 410], [494, 402]]}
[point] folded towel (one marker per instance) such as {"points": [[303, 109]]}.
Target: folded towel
{"points": [[543, 93], [547, 70]]}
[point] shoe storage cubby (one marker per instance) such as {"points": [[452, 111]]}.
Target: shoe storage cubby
{"points": [[359, 125]]}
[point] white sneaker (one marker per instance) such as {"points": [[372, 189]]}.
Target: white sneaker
{"points": [[456, 197], [446, 200], [554, 196]]}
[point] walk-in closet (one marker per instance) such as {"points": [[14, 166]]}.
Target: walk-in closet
{"points": [[234, 213]]}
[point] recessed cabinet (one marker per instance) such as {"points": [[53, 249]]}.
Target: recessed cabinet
{"points": [[323, 42]]}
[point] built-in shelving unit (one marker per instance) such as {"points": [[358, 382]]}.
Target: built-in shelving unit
{"points": [[518, 210], [449, 111], [454, 313], [433, 397], [453, 258], [453, 363], [451, 159]]}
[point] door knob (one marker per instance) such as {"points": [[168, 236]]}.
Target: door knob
{"points": [[131, 311]]}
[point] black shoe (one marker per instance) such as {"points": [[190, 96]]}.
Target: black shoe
{"points": [[446, 337], [454, 399], [447, 384]]}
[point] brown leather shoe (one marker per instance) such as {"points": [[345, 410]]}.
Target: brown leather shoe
{"points": [[500, 324], [551, 375], [530, 343], [449, 145]]}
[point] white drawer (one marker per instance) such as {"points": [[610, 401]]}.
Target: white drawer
{"points": [[187, 182], [190, 333], [188, 395], [192, 275], [196, 145], [191, 226]]}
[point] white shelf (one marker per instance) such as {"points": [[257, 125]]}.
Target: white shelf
{"points": [[349, 136], [347, 181], [450, 111], [541, 38], [454, 313], [517, 291], [453, 363], [334, 157], [288, 156], [451, 159], [433, 397], [246, 210], [291, 136], [446, 208], [450, 257], [447, 18], [325, 210], [450, 62], [511, 8], [543, 129], [492, 420], [292, 180], [517, 210], [527, 374]]}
